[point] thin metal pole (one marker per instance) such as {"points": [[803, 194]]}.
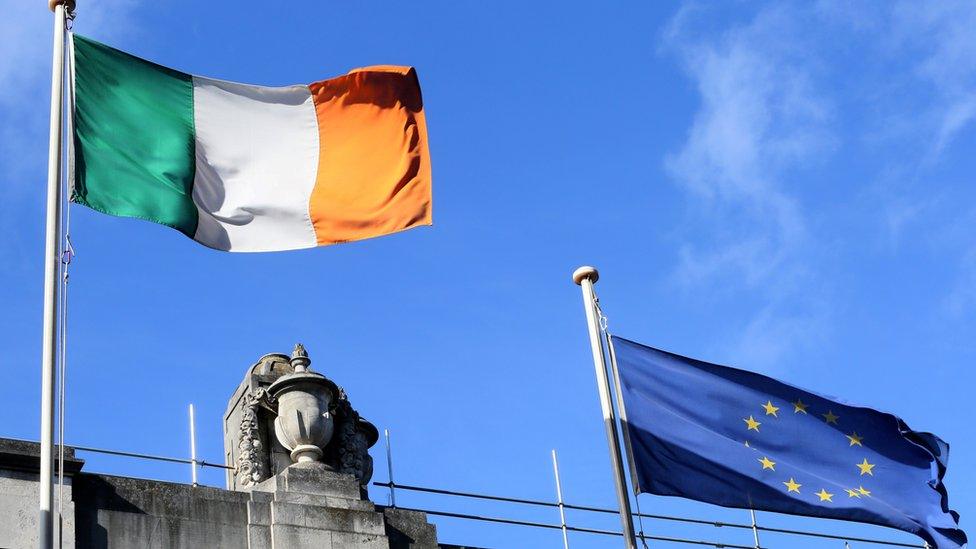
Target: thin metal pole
{"points": [[45, 520], [389, 466], [585, 277], [755, 528], [193, 446], [559, 500]]}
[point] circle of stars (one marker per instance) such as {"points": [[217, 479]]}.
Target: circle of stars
{"points": [[771, 412]]}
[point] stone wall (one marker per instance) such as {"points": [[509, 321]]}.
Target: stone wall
{"points": [[20, 492], [294, 510]]}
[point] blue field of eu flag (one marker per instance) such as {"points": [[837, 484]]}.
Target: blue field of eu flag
{"points": [[740, 439]]}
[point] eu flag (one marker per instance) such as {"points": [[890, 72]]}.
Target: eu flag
{"points": [[739, 439]]}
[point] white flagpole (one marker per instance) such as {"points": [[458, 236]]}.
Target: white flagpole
{"points": [[585, 277], [45, 523]]}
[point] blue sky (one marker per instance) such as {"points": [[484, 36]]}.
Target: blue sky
{"points": [[781, 187]]}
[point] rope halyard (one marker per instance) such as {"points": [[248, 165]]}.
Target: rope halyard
{"points": [[640, 521], [67, 254], [604, 323]]}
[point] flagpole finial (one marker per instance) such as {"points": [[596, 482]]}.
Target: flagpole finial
{"points": [[69, 5], [584, 272]]}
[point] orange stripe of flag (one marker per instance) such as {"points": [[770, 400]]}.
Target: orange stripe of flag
{"points": [[374, 166]]}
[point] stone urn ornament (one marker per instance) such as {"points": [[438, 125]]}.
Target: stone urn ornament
{"points": [[305, 424]]}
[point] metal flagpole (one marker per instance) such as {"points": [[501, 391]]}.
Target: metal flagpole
{"points": [[559, 500], [45, 522], [585, 277]]}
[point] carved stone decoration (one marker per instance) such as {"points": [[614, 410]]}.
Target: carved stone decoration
{"points": [[354, 437], [368, 435], [284, 415], [252, 462]]}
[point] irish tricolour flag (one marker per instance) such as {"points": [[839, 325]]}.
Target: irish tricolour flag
{"points": [[249, 168]]}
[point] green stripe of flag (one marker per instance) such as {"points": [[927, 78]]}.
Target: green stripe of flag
{"points": [[134, 137]]}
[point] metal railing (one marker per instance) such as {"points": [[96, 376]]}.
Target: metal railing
{"points": [[642, 535], [539, 503], [151, 457]]}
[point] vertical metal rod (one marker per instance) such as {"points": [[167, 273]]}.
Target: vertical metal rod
{"points": [[559, 500], [585, 277], [389, 467], [193, 446], [755, 528], [45, 522]]}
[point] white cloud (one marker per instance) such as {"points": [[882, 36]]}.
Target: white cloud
{"points": [[760, 120], [778, 92], [962, 298], [25, 70], [943, 31], [772, 335], [940, 38]]}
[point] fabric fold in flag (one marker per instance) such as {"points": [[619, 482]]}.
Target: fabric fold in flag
{"points": [[740, 439], [249, 168]]}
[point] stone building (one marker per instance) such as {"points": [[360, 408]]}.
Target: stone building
{"points": [[300, 462]]}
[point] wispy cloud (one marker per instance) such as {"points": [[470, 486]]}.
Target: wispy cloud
{"points": [[25, 70], [962, 298], [959, 304], [940, 40], [785, 110], [943, 31], [761, 118]]}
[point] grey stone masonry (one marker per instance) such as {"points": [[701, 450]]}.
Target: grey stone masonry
{"points": [[303, 506], [20, 492]]}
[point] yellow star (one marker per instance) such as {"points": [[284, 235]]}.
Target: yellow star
{"points": [[852, 493], [792, 486], [855, 439], [865, 467], [824, 495], [862, 491], [830, 417], [799, 407], [767, 463], [752, 424], [770, 409]]}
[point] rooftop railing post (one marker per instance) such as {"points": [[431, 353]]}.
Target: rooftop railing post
{"points": [[193, 447], [389, 467], [559, 500], [755, 527]]}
